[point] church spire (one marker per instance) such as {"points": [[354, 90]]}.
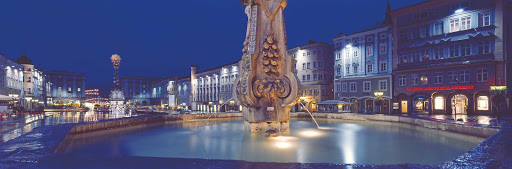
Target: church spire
{"points": [[388, 20]]}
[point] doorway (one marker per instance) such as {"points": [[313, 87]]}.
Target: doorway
{"points": [[459, 104], [404, 106]]}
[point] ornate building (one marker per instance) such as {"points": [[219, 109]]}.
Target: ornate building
{"points": [[448, 53]]}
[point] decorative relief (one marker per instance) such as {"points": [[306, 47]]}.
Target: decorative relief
{"points": [[270, 89], [270, 56]]}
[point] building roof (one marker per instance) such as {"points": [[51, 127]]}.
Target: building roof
{"points": [[310, 43], [369, 28], [23, 60], [218, 67]]}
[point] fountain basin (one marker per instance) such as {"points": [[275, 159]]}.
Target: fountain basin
{"points": [[348, 142]]}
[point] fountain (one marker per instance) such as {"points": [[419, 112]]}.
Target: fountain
{"points": [[267, 86]]}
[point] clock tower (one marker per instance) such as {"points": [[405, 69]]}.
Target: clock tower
{"points": [[116, 93]]}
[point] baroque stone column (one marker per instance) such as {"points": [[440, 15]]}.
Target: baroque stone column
{"points": [[266, 86]]}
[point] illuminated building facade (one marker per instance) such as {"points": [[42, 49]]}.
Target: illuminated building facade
{"points": [[447, 54], [138, 91], [211, 88], [67, 88], [313, 65], [183, 94], [362, 69], [32, 84], [92, 96]]}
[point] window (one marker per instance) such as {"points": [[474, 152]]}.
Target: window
{"points": [[481, 75], [484, 19], [454, 25], [438, 53], [69, 89], [308, 65], [355, 52], [315, 76], [482, 103], [338, 70], [464, 76], [314, 64], [439, 103], [367, 86], [78, 89], [466, 49], [320, 76], [355, 68], [453, 77], [403, 57], [347, 69], [454, 50], [423, 79], [303, 78], [382, 36], [383, 67], [438, 28], [353, 86], [370, 68], [438, 78], [59, 89], [423, 32], [465, 22], [403, 35], [309, 53], [308, 77], [303, 66], [402, 80], [338, 55], [415, 56], [304, 54], [320, 64], [484, 47], [383, 85], [369, 50], [415, 80], [344, 87], [383, 48]]}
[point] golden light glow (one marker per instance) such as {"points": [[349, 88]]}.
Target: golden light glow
{"points": [[498, 88]]}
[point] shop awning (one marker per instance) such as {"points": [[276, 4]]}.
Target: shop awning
{"points": [[333, 102]]}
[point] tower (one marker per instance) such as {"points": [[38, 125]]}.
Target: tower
{"points": [[116, 93]]}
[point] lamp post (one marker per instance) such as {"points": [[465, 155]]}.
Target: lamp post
{"points": [[378, 95]]}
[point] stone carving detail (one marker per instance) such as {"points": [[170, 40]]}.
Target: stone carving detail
{"points": [[267, 86]]}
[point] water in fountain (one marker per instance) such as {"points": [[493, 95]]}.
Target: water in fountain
{"points": [[318, 126]]}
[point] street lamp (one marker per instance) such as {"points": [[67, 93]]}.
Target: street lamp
{"points": [[378, 95]]}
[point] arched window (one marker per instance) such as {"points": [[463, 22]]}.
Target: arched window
{"points": [[482, 103]]}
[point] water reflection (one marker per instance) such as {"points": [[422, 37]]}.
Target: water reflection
{"points": [[13, 126], [349, 142]]}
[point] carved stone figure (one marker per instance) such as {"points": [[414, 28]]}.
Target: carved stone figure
{"points": [[266, 86]]}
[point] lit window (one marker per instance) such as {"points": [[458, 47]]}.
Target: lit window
{"points": [[482, 103], [454, 25], [465, 23], [78, 89], [439, 103], [423, 79], [69, 89], [484, 19], [370, 50], [383, 48]]}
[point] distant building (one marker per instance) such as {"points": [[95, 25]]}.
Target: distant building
{"points": [[313, 65], [183, 94], [33, 84], [66, 87], [138, 91], [208, 86], [447, 54], [92, 95], [363, 69], [11, 81]]}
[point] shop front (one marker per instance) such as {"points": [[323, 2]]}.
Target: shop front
{"points": [[460, 100]]}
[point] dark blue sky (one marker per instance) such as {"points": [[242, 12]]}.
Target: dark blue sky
{"points": [[160, 38]]}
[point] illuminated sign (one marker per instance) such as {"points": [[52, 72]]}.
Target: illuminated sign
{"points": [[440, 88], [498, 88]]}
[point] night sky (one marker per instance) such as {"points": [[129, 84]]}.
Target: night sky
{"points": [[160, 38]]}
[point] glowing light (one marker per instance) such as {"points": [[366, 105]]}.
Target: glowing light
{"points": [[283, 142], [311, 133], [459, 10], [283, 145], [348, 46]]}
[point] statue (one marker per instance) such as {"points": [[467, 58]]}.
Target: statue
{"points": [[266, 86]]}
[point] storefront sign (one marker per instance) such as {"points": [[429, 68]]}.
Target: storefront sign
{"points": [[441, 88], [395, 106]]}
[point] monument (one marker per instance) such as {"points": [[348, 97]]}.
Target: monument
{"points": [[116, 93], [266, 86]]}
